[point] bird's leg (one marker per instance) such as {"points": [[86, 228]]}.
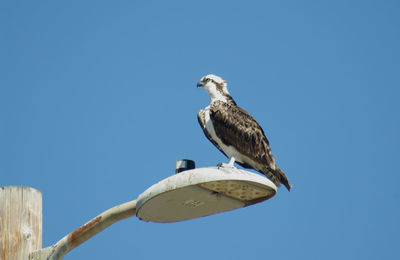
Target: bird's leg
{"points": [[231, 162]]}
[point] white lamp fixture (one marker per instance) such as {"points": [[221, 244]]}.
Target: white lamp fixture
{"points": [[202, 192], [186, 195]]}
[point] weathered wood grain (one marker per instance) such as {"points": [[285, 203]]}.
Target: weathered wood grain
{"points": [[20, 222]]}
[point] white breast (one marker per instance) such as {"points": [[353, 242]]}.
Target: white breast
{"points": [[230, 151]]}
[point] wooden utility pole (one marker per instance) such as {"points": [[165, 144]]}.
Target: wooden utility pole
{"points": [[20, 222]]}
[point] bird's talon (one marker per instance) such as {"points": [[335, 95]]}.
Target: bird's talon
{"points": [[225, 165]]}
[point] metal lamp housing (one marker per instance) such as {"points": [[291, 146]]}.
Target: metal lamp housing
{"points": [[201, 192]]}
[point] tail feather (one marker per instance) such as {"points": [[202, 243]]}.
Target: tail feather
{"points": [[282, 178], [277, 177]]}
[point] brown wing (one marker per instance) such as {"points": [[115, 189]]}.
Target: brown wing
{"points": [[202, 122], [241, 130], [234, 126]]}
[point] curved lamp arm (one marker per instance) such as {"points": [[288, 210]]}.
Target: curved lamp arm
{"points": [[190, 194], [85, 232]]}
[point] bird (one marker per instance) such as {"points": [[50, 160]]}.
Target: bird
{"points": [[236, 133]]}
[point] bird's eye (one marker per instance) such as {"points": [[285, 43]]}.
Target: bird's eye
{"points": [[208, 80]]}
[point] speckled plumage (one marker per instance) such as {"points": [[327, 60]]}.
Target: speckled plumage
{"points": [[235, 132]]}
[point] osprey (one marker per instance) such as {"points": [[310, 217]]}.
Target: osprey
{"points": [[235, 132]]}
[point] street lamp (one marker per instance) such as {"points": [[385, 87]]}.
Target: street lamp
{"points": [[186, 195]]}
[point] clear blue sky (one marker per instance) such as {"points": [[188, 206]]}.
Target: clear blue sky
{"points": [[98, 100]]}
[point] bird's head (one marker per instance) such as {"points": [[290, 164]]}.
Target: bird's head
{"points": [[216, 88]]}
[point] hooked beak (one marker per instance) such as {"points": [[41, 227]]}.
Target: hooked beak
{"points": [[200, 84]]}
